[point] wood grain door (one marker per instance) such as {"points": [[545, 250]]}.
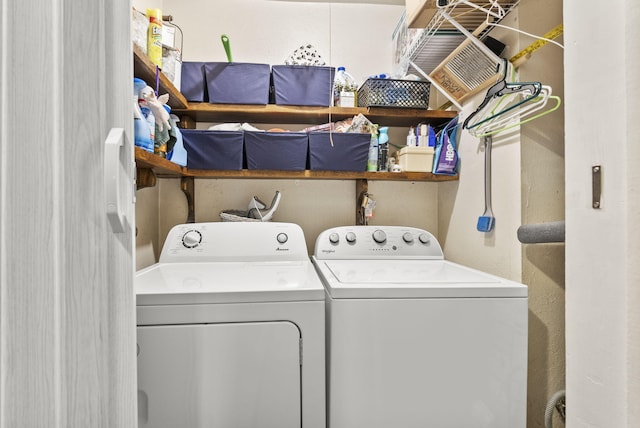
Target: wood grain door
{"points": [[67, 310]]}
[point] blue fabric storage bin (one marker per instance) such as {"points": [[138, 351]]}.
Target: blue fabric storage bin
{"points": [[276, 150], [213, 149], [348, 153], [303, 85], [237, 82], [192, 82]]}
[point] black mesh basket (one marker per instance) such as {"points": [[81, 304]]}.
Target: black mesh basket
{"points": [[394, 93]]}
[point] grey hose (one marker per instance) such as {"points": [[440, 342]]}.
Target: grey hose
{"points": [[548, 411]]}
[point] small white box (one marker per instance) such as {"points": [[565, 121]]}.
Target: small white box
{"points": [[416, 159], [347, 99]]}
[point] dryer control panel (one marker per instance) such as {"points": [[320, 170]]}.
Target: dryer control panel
{"points": [[377, 242], [234, 241]]}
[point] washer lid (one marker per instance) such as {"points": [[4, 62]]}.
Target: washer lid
{"points": [[227, 282], [412, 279]]}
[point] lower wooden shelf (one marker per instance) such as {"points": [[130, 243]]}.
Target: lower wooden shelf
{"points": [[164, 168]]}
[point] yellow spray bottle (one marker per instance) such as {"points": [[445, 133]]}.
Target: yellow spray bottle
{"points": [[154, 36]]}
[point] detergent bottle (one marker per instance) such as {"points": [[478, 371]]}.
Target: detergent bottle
{"points": [[142, 135], [147, 114]]}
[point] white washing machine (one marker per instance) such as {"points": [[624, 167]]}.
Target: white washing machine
{"points": [[416, 341], [231, 330]]}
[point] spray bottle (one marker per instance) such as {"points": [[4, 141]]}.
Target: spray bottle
{"points": [[383, 148]]}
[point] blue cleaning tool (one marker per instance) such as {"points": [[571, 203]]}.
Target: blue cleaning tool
{"points": [[486, 221]]}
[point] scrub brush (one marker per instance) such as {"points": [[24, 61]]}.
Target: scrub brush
{"points": [[486, 221]]}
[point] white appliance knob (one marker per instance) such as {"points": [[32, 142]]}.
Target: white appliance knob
{"points": [[191, 239], [407, 237], [424, 238], [334, 238], [379, 236], [282, 238], [350, 237]]}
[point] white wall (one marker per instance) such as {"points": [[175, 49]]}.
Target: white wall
{"points": [[461, 203], [602, 321]]}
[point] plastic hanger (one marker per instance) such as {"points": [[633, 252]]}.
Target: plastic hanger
{"points": [[511, 121], [494, 104]]}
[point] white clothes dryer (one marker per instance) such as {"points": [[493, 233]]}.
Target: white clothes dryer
{"points": [[231, 330], [414, 340]]}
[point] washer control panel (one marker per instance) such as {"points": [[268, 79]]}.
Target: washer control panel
{"points": [[234, 241], [373, 242]]}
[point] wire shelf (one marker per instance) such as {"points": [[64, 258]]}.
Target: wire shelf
{"points": [[440, 37]]}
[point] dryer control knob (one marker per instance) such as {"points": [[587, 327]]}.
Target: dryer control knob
{"points": [[334, 238], [379, 236], [350, 237], [424, 238], [282, 238], [407, 237], [191, 239]]}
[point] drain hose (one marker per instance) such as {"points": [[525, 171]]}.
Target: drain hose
{"points": [[548, 411]]}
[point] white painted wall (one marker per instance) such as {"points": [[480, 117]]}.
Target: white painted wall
{"points": [[461, 203], [602, 320]]}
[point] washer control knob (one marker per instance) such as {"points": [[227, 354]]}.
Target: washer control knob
{"points": [[334, 238], [424, 238], [282, 238], [350, 237], [191, 239], [407, 237], [379, 236]]}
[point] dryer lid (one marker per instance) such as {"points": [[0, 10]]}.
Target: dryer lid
{"points": [[412, 279], [227, 282]]}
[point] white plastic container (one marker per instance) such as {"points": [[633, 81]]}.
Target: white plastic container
{"points": [[416, 159]]}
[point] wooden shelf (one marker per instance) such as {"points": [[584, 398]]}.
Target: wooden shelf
{"points": [[165, 168], [144, 69], [278, 114], [272, 113]]}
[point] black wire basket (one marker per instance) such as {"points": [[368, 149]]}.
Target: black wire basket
{"points": [[394, 93]]}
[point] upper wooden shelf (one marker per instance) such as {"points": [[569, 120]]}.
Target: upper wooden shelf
{"points": [[164, 168], [272, 113], [278, 114], [144, 69]]}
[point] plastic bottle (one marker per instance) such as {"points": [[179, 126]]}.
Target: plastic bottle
{"points": [[383, 148], [372, 161], [411, 137], [147, 113], [423, 138], [344, 89], [142, 136], [154, 36]]}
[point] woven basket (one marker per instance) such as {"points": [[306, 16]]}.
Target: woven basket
{"points": [[236, 215]]}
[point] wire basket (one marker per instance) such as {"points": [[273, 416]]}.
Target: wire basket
{"points": [[236, 215], [394, 93]]}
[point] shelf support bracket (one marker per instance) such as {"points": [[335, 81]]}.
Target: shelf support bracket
{"points": [[362, 188], [187, 184], [145, 177]]}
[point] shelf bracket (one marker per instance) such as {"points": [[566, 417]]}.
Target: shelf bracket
{"points": [[145, 177], [187, 184], [362, 188]]}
